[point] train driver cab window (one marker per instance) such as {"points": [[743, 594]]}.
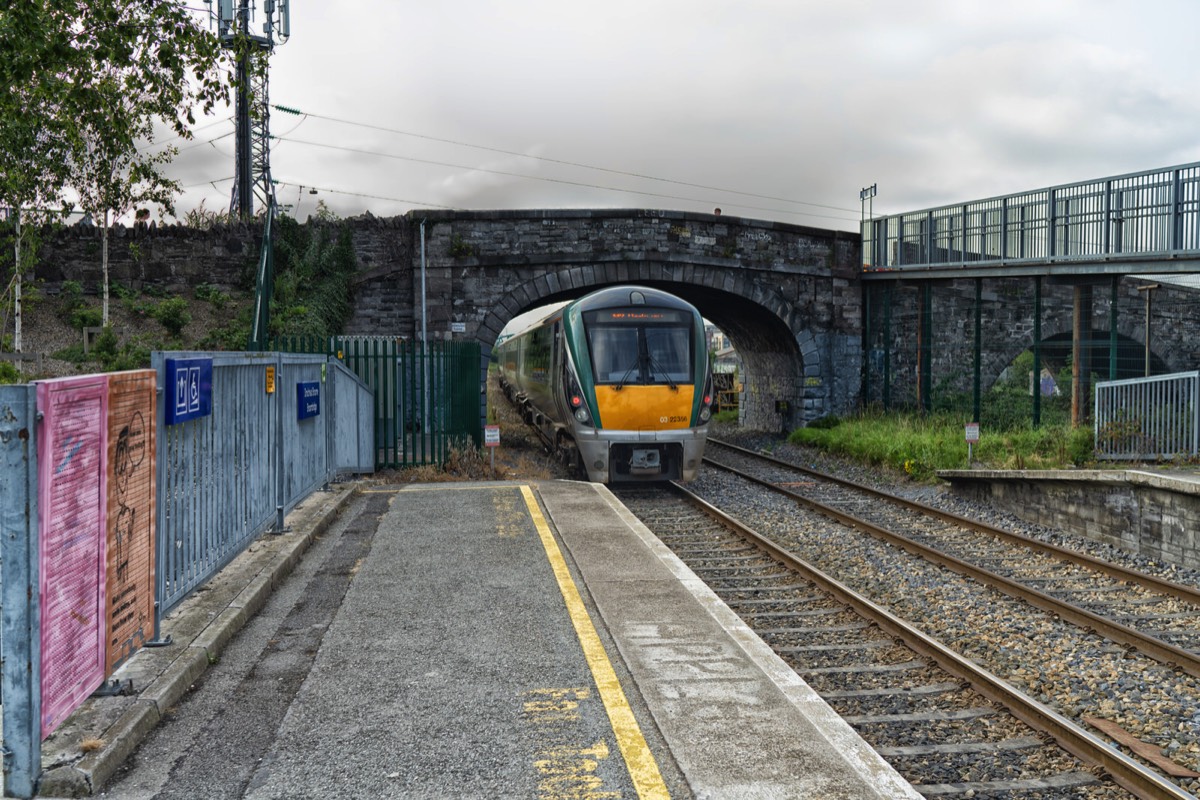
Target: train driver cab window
{"points": [[669, 349], [643, 346]]}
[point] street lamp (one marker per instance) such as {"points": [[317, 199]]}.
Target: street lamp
{"points": [[867, 197]]}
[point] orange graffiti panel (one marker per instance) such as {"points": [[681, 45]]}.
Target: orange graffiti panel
{"points": [[131, 509]]}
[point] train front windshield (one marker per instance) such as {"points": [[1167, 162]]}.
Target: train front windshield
{"points": [[644, 346]]}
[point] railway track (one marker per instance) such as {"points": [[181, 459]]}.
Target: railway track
{"points": [[1157, 617], [945, 723], [1052, 655]]}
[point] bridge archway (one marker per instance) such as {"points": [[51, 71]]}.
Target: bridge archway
{"points": [[767, 331]]}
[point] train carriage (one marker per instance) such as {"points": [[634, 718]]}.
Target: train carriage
{"points": [[618, 382]]}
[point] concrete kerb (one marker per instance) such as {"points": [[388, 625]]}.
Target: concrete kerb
{"points": [[260, 569]]}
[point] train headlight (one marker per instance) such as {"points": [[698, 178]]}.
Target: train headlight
{"points": [[706, 400], [574, 396]]}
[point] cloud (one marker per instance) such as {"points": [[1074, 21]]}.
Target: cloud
{"points": [[780, 100]]}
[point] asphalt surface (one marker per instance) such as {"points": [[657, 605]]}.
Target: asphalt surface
{"points": [[395, 675]]}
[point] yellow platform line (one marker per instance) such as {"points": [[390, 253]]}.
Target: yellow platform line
{"points": [[643, 769]]}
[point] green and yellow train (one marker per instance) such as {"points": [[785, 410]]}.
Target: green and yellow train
{"points": [[617, 382]]}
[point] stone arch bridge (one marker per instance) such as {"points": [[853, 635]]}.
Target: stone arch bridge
{"points": [[791, 299], [786, 295]]}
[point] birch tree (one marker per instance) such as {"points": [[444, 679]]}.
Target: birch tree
{"points": [[89, 82]]}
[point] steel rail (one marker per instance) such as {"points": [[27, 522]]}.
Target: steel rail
{"points": [[1178, 591], [1125, 771], [1157, 649]]}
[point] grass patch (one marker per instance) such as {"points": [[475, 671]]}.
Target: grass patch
{"points": [[920, 445]]}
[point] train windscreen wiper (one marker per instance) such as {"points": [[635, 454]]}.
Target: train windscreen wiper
{"points": [[654, 364], [621, 383]]}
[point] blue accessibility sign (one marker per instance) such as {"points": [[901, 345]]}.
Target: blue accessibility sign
{"points": [[190, 380]]}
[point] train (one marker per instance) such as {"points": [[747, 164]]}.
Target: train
{"points": [[618, 383]]}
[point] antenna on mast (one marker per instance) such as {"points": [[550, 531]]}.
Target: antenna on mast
{"points": [[253, 51]]}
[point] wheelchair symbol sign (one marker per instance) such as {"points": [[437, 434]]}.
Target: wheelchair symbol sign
{"points": [[192, 382]]}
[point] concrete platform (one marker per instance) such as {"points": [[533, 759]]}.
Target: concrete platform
{"points": [[737, 720], [508, 640]]}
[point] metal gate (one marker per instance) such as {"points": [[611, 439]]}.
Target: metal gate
{"points": [[428, 398], [1148, 419]]}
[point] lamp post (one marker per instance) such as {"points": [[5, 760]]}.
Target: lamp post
{"points": [[866, 198]]}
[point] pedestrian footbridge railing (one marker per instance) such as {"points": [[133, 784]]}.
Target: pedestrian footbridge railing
{"points": [[121, 493], [1148, 419], [1148, 216]]}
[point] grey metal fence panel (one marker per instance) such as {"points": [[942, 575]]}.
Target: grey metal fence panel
{"points": [[352, 440], [1148, 419], [305, 466], [216, 474], [20, 639]]}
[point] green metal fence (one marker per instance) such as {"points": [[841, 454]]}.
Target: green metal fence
{"points": [[427, 398], [1010, 351]]}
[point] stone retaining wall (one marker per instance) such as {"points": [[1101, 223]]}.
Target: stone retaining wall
{"points": [[1151, 514]]}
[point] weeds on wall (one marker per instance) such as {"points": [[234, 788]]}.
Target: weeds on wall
{"points": [[314, 264]]}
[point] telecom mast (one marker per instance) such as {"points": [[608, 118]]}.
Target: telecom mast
{"points": [[253, 51]]}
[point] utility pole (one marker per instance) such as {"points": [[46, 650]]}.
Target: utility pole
{"points": [[1148, 289]]}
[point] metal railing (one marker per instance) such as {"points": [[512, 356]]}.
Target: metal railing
{"points": [[1148, 419], [1140, 216], [225, 478]]}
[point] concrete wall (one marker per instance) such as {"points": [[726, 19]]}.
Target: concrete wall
{"points": [[1146, 513]]}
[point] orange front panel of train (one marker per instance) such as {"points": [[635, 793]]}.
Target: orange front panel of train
{"points": [[636, 408]]}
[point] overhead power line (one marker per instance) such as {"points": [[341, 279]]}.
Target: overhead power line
{"points": [[542, 178], [385, 129], [179, 136], [419, 203]]}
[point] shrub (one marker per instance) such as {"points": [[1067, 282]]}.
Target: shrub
{"points": [[71, 294], [9, 372], [173, 315], [85, 317], [211, 294]]}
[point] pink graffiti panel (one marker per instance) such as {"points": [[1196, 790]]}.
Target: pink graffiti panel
{"points": [[72, 487]]}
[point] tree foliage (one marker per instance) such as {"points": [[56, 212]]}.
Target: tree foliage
{"points": [[88, 86]]}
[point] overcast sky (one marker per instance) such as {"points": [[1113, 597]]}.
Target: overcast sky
{"points": [[794, 104]]}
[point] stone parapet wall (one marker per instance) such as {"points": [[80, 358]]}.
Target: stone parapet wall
{"points": [[1151, 514], [170, 257]]}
